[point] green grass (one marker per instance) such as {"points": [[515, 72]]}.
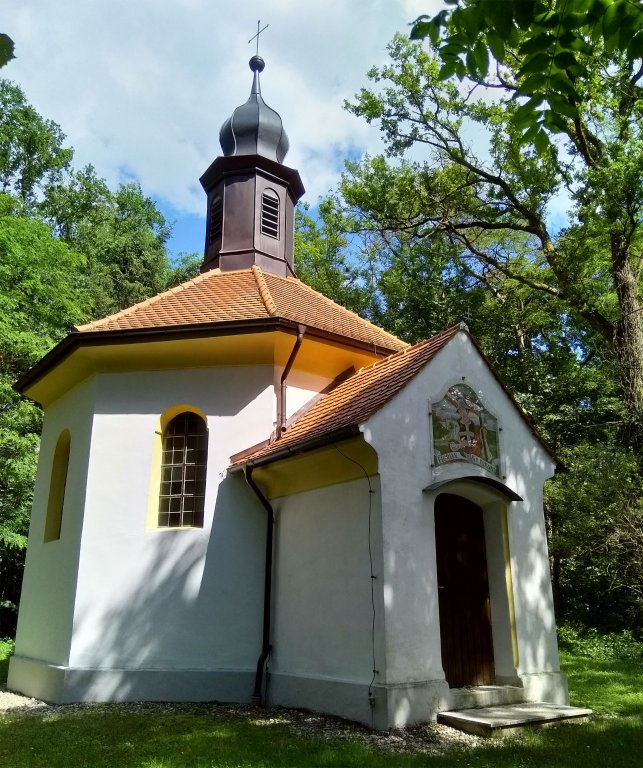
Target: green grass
{"points": [[6, 649], [611, 685]]}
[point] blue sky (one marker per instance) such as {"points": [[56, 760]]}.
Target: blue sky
{"points": [[141, 87]]}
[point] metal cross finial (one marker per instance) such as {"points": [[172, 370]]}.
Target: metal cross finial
{"points": [[259, 31]]}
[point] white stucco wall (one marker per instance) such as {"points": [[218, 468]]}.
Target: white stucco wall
{"points": [[166, 598], [400, 433], [49, 582], [297, 397], [323, 615]]}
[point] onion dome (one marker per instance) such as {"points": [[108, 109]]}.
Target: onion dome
{"points": [[254, 128]]}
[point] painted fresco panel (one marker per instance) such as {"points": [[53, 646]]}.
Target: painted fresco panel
{"points": [[464, 430]]}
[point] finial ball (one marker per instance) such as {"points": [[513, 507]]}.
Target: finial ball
{"points": [[257, 64]]}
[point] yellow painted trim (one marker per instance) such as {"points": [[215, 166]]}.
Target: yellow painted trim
{"points": [[58, 482], [317, 359], [318, 469], [509, 586], [152, 519]]}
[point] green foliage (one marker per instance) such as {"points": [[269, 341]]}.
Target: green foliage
{"points": [[464, 233], [486, 204], [185, 268], [589, 643], [544, 50], [6, 651], [122, 235], [595, 513], [6, 49], [39, 301], [31, 151], [323, 259]]}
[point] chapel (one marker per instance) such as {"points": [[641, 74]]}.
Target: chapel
{"points": [[246, 492]]}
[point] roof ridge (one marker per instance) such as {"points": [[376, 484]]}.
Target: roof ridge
{"points": [[264, 291], [337, 304], [146, 302]]}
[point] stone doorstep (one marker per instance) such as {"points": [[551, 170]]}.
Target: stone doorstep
{"points": [[491, 721], [475, 697]]}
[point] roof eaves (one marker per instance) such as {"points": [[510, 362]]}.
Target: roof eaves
{"points": [[78, 338], [305, 446], [90, 338]]}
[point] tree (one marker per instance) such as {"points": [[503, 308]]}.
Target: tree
{"points": [[122, 235], [491, 203], [39, 301], [324, 260], [31, 148], [595, 517], [186, 267], [548, 46], [6, 49]]}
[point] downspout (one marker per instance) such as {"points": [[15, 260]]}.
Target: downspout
{"points": [[281, 392], [256, 699], [270, 524]]}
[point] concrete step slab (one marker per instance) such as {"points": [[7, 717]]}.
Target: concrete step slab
{"points": [[498, 720], [485, 696]]}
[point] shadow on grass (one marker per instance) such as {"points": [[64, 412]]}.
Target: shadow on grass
{"points": [[164, 741], [156, 738], [150, 740]]}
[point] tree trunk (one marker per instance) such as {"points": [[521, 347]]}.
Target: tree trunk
{"points": [[628, 339]]}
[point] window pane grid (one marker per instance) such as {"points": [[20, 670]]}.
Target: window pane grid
{"points": [[183, 471]]}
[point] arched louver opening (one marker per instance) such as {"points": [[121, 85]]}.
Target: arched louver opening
{"points": [[216, 218], [270, 213], [185, 455]]}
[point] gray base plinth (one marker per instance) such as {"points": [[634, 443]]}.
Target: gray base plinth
{"points": [[387, 706], [63, 685], [546, 686]]}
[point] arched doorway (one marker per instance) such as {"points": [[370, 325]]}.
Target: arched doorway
{"points": [[463, 592]]}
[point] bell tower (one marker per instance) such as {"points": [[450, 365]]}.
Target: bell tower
{"points": [[251, 194]]}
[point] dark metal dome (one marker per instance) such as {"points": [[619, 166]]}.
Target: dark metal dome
{"points": [[254, 128]]}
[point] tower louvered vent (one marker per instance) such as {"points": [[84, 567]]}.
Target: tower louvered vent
{"points": [[216, 218], [270, 214]]}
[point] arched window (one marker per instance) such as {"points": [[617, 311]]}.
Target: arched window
{"points": [[270, 213], [60, 465], [183, 468]]}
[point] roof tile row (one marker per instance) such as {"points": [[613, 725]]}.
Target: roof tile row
{"points": [[247, 294]]}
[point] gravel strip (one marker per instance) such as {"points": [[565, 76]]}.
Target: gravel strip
{"points": [[429, 739]]}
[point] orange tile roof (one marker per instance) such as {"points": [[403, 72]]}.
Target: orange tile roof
{"points": [[247, 294], [356, 399]]}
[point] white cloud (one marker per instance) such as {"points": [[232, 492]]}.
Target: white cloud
{"points": [[141, 87]]}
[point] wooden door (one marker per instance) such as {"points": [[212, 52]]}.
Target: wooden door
{"points": [[463, 593]]}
